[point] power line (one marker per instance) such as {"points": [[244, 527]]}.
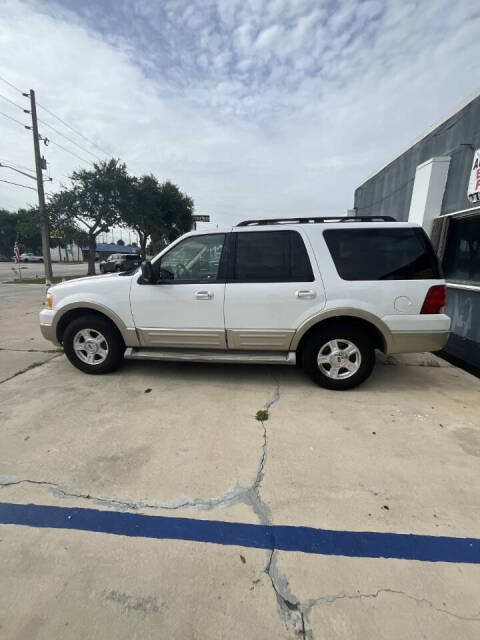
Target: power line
{"points": [[14, 103], [74, 130], [15, 164], [69, 139], [11, 85], [68, 151], [78, 133], [18, 185], [6, 166], [14, 120]]}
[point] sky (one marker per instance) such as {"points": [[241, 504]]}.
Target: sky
{"points": [[254, 108]]}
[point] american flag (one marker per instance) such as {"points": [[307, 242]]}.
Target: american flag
{"points": [[16, 253]]}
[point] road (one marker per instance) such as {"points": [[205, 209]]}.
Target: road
{"points": [[36, 270], [150, 503]]}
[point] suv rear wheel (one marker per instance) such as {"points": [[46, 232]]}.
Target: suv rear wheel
{"points": [[340, 358], [93, 344]]}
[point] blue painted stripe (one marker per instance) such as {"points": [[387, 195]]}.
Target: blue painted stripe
{"points": [[359, 544]]}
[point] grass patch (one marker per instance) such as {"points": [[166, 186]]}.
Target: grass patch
{"points": [[262, 415]]}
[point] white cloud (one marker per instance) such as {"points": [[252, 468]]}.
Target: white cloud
{"points": [[251, 107], [269, 37]]}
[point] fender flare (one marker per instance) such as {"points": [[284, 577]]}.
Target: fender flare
{"points": [[129, 335], [345, 312]]}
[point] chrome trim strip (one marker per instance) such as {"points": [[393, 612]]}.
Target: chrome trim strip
{"points": [[259, 339], [466, 287], [189, 338], [198, 355]]}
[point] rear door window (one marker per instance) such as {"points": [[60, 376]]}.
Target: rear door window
{"points": [[382, 254], [271, 256]]}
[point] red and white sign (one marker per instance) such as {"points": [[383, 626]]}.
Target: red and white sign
{"points": [[474, 182]]}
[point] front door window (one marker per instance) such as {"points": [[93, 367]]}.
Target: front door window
{"points": [[196, 259]]}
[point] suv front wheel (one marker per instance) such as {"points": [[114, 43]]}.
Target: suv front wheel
{"points": [[340, 358], [93, 344]]}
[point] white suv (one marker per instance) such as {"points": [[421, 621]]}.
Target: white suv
{"points": [[325, 292]]}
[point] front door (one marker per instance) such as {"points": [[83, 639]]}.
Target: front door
{"points": [[184, 306]]}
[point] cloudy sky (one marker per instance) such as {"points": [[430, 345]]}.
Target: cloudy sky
{"points": [[253, 107]]}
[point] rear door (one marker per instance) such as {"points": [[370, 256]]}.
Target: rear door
{"points": [[273, 285]]}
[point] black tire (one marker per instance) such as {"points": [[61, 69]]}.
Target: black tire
{"points": [[102, 269], [361, 361], [118, 268], [41, 260], [112, 338]]}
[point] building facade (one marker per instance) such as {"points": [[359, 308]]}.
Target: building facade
{"points": [[436, 183]]}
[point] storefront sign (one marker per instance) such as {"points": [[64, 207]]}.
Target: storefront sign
{"points": [[200, 218], [474, 183]]}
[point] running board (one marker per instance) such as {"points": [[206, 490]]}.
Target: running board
{"points": [[202, 355]]}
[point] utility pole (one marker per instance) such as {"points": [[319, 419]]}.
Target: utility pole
{"points": [[41, 194]]}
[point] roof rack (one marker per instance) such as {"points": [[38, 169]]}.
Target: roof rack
{"points": [[249, 223]]}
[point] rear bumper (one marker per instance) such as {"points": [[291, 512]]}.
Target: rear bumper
{"points": [[415, 333], [417, 341]]}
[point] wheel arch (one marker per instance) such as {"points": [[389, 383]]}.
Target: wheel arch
{"points": [[70, 312], [378, 331]]}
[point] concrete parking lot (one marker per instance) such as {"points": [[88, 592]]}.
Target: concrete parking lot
{"points": [[150, 503]]}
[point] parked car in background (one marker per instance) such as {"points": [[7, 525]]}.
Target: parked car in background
{"points": [[120, 262], [30, 257], [324, 291]]}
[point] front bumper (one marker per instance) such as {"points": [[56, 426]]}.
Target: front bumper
{"points": [[47, 326]]}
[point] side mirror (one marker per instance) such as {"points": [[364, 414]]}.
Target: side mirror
{"points": [[165, 274], [147, 272]]}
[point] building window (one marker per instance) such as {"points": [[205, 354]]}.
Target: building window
{"points": [[461, 260]]}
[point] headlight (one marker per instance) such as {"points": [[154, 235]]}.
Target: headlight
{"points": [[49, 300]]}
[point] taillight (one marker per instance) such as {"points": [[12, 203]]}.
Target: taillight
{"points": [[435, 300]]}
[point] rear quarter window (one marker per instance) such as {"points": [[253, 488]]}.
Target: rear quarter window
{"points": [[382, 254]]}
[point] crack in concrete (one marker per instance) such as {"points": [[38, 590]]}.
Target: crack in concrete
{"points": [[288, 605], [235, 495], [291, 609], [358, 596], [229, 498], [34, 365], [59, 350]]}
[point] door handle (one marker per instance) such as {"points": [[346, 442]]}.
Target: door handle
{"points": [[305, 294], [203, 295]]}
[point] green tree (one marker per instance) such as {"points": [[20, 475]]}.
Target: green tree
{"points": [[97, 199], [8, 232], [28, 227], [144, 211], [157, 211]]}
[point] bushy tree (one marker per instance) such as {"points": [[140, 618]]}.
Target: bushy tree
{"points": [[8, 232], [158, 211], [97, 199]]}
